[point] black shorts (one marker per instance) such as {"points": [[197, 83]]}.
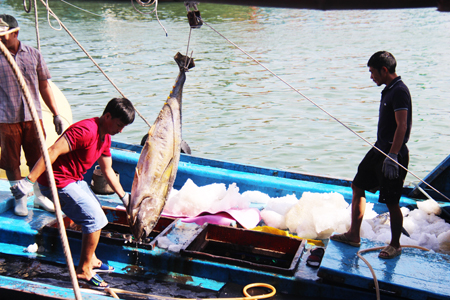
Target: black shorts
{"points": [[371, 178]]}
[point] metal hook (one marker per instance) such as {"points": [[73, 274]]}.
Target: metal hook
{"points": [[195, 20]]}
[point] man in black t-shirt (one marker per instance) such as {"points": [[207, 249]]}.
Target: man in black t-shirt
{"points": [[380, 171]]}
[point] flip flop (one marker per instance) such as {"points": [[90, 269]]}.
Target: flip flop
{"points": [[315, 258], [95, 282], [104, 268], [341, 238], [390, 251]]}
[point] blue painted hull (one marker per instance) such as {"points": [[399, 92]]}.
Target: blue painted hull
{"points": [[17, 233]]}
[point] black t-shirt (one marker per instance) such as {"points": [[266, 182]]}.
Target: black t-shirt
{"points": [[394, 97]]}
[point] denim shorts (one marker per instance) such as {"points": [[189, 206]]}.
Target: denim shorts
{"points": [[80, 204]]}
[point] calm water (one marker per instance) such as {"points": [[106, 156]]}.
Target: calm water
{"points": [[235, 110]]}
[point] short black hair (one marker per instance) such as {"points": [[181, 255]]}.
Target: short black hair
{"points": [[10, 20], [383, 59], [121, 108]]}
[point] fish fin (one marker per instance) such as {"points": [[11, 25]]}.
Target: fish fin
{"points": [[138, 173], [151, 131], [166, 177]]}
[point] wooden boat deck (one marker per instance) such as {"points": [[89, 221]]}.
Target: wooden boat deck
{"points": [[415, 274]]}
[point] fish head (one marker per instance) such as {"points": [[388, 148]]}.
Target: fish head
{"points": [[142, 220]]}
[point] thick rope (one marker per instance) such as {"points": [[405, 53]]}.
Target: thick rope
{"points": [[375, 280], [322, 109], [48, 165], [92, 59]]}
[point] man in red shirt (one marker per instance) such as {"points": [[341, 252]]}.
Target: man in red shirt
{"points": [[80, 146]]}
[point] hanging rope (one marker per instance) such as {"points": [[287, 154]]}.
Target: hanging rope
{"points": [[36, 25], [322, 109], [26, 7], [92, 59], [48, 164], [149, 3]]}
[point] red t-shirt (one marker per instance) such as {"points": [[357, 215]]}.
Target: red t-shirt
{"points": [[86, 147]]}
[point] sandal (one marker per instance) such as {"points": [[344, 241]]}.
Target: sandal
{"points": [[95, 282], [341, 238], [315, 258], [390, 252], [104, 268]]}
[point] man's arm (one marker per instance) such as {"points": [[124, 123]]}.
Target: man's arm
{"points": [[105, 163], [49, 99], [47, 96], [390, 167], [60, 147], [401, 117]]}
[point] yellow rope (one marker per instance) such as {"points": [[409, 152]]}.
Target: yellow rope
{"points": [[377, 288]]}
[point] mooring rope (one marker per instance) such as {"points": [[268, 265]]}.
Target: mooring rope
{"points": [[92, 59], [375, 280], [48, 164], [325, 111]]}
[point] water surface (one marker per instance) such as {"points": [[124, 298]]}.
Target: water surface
{"points": [[235, 110]]}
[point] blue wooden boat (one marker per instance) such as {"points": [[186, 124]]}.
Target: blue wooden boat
{"points": [[416, 275], [218, 261]]}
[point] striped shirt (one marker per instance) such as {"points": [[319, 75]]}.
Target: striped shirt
{"points": [[13, 107]]}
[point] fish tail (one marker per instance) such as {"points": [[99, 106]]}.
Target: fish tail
{"points": [[184, 62]]}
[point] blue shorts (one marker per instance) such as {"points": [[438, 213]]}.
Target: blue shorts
{"points": [[81, 205]]}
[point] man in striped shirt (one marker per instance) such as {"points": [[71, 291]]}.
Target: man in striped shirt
{"points": [[16, 124]]}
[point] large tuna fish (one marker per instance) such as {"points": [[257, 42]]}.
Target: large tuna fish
{"points": [[158, 163]]}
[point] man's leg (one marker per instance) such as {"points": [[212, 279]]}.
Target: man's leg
{"points": [[13, 175], [20, 204], [31, 148], [88, 246], [352, 236], [358, 209], [396, 224], [40, 201]]}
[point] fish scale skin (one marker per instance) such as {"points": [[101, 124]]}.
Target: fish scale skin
{"points": [[158, 164]]}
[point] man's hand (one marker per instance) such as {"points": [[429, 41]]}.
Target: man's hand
{"points": [[22, 188], [390, 168], [125, 199], [59, 126]]}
